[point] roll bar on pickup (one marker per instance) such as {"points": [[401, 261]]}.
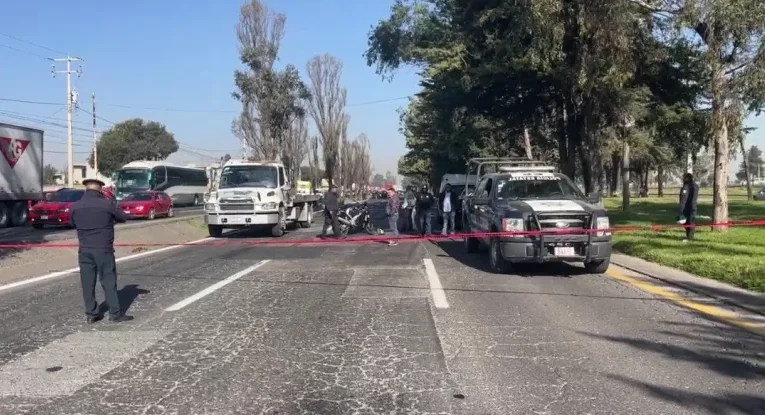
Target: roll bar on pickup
{"points": [[479, 165]]}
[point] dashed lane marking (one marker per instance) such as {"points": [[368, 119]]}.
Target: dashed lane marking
{"points": [[436, 289], [218, 285]]}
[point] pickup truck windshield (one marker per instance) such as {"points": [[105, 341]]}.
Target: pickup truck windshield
{"points": [[547, 186], [248, 176]]}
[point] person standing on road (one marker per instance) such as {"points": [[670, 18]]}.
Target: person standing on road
{"points": [[410, 199], [689, 197], [391, 211], [425, 202], [448, 200], [94, 217], [331, 209]]}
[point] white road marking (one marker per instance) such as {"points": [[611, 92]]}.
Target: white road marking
{"points": [[218, 285], [57, 274], [439, 297]]}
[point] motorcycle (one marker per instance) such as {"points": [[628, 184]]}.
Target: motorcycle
{"points": [[355, 218]]}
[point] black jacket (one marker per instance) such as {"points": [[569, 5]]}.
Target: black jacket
{"points": [[453, 198], [331, 204], [425, 201], [94, 217], [689, 197]]}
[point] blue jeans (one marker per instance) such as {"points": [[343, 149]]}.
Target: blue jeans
{"points": [[393, 223]]}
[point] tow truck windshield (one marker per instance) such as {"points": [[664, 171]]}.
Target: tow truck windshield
{"points": [[537, 186], [248, 176]]}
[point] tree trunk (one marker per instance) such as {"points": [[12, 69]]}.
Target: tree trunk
{"points": [[745, 164], [626, 176], [614, 179], [660, 181], [527, 143], [722, 152]]}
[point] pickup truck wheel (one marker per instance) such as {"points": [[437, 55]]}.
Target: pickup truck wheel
{"points": [[597, 267], [498, 263], [215, 231], [278, 230], [309, 217]]}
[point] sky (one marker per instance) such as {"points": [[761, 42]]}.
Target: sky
{"points": [[173, 62], [149, 59]]}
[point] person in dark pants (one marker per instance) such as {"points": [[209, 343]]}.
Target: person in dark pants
{"points": [[391, 211], [689, 196], [331, 208], [94, 217], [410, 199], [425, 201]]}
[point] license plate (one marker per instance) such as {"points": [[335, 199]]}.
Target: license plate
{"points": [[44, 217], [127, 212], [236, 220], [564, 251]]}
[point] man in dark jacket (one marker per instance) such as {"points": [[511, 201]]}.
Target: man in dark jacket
{"points": [[392, 206], [94, 217], [447, 202], [331, 208], [689, 196], [425, 201]]}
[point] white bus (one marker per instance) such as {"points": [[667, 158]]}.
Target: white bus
{"points": [[185, 185]]}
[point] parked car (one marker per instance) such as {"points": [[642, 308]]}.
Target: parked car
{"points": [[147, 205], [54, 210]]}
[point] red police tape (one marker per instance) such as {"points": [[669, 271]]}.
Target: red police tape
{"points": [[387, 237]]}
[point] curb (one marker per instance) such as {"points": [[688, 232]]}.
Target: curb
{"points": [[696, 290]]}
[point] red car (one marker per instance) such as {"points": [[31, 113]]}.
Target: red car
{"points": [[147, 205], [54, 210]]}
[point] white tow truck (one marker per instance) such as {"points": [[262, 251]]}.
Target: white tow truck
{"points": [[256, 194]]}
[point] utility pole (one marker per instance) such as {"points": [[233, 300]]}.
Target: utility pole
{"points": [[71, 102], [95, 139]]}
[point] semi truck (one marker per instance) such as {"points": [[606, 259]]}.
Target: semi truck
{"points": [[256, 194], [21, 172]]}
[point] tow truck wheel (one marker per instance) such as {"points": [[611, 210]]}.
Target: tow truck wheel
{"points": [[309, 217], [278, 230], [597, 267], [4, 221], [215, 231], [498, 263]]}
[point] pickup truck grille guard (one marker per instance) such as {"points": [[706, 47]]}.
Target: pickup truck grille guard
{"points": [[536, 221]]}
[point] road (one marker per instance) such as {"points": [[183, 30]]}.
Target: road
{"points": [[344, 328], [27, 233]]}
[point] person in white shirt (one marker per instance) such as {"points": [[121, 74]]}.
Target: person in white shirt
{"points": [[448, 200]]}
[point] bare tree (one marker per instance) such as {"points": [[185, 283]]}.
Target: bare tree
{"points": [[295, 148], [313, 161], [327, 107]]}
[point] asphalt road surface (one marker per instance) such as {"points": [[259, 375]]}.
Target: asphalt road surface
{"points": [[337, 329], [50, 233]]}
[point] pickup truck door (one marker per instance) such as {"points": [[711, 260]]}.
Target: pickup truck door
{"points": [[484, 212]]}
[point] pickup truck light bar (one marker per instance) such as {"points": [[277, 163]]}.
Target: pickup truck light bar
{"points": [[549, 169]]}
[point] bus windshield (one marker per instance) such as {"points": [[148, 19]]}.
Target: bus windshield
{"points": [[248, 176], [132, 179]]}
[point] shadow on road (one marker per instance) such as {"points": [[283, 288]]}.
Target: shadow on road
{"points": [[128, 294], [480, 261]]}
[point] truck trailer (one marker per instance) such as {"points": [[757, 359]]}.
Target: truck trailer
{"points": [[21, 172]]}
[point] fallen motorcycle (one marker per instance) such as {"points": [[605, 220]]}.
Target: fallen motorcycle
{"points": [[355, 218]]}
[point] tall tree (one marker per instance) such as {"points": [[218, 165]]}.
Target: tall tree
{"points": [[271, 99], [314, 154], [132, 140], [327, 107], [49, 174]]}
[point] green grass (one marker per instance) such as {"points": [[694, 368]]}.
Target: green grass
{"points": [[736, 256]]}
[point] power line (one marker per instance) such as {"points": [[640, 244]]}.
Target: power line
{"points": [[23, 51], [209, 111], [18, 39]]}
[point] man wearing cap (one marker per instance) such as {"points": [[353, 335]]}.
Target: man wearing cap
{"points": [[94, 217]]}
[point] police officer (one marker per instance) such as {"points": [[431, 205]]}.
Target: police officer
{"points": [[94, 217], [689, 197], [331, 208], [425, 202]]}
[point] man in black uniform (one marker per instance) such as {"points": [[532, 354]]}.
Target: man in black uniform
{"points": [[331, 208], [689, 196], [94, 217], [425, 201]]}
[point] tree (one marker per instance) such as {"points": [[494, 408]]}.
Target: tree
{"points": [[49, 174], [295, 147], [390, 178], [752, 163], [271, 100], [327, 107], [132, 140], [315, 173], [378, 180]]}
